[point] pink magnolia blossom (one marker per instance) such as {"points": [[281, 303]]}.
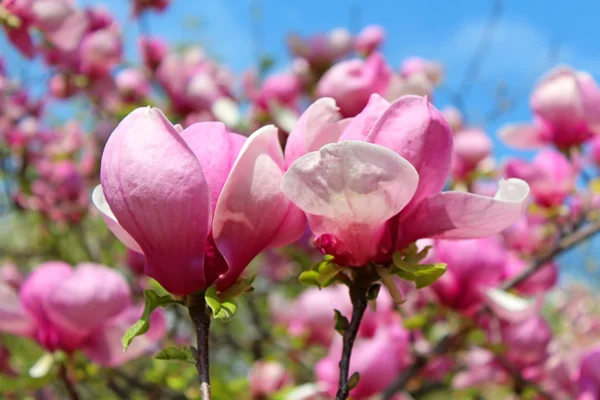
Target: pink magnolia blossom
{"points": [[527, 344], [471, 147], [417, 66], [100, 51], [373, 185], [266, 378], [10, 274], [283, 89], [541, 281], [473, 266], [454, 118], [140, 6], [369, 39], [378, 359], [589, 376], [87, 308], [322, 50], [594, 150], [198, 218], [132, 84], [566, 107], [153, 50], [350, 83], [550, 175], [530, 235]]}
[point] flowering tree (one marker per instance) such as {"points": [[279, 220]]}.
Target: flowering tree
{"points": [[322, 232]]}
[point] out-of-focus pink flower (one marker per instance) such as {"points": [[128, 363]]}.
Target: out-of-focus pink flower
{"points": [[321, 50], [10, 274], [541, 281], [373, 185], [454, 118], [473, 266], [369, 39], [566, 107], [283, 89], [530, 235], [594, 150], [136, 261], [526, 341], [198, 219], [351, 83], [69, 309], [418, 66], [471, 147], [153, 50], [61, 21], [550, 175], [132, 84], [588, 386], [268, 377], [378, 359], [140, 6], [99, 17], [100, 51], [481, 369]]}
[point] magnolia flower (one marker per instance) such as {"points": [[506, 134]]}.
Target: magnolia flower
{"points": [[372, 185], [566, 107], [471, 147], [199, 215], [541, 281], [321, 50], [550, 175], [369, 39], [132, 84], [350, 83], [268, 377], [588, 385], [87, 308]]}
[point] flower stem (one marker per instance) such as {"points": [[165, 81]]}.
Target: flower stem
{"points": [[69, 385], [201, 318], [358, 296]]}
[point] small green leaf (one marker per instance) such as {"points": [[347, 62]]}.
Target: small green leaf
{"points": [[227, 311], [373, 291], [477, 337], [309, 278], [327, 271], [341, 322], [212, 299], [174, 354], [152, 302], [328, 257], [221, 309], [353, 380], [415, 322], [428, 276], [241, 286]]}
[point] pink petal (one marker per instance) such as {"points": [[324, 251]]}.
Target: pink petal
{"points": [[590, 98], [458, 215], [39, 285], [317, 127], [511, 307], [216, 149], [359, 127], [105, 348], [111, 221], [13, 318], [522, 136], [240, 229], [156, 189], [416, 130], [349, 190], [61, 21], [86, 299]]}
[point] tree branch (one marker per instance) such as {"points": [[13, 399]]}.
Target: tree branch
{"points": [[201, 318]]}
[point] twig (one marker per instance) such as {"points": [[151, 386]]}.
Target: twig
{"points": [[69, 384], [200, 317], [358, 296], [443, 344]]}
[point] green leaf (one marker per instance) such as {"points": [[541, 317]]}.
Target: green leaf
{"points": [[241, 286], [327, 271], [152, 302], [341, 322], [415, 322], [373, 292], [221, 309], [309, 278], [174, 354], [353, 380], [428, 276]]}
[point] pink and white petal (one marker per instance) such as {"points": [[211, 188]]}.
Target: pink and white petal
{"points": [[590, 98], [85, 300], [39, 285], [510, 307], [522, 136], [111, 221], [459, 215], [317, 126], [217, 149], [105, 347], [416, 130], [157, 191], [13, 318], [350, 189], [359, 127], [241, 229], [62, 23]]}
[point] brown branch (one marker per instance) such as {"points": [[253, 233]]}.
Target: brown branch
{"points": [[63, 373], [200, 317]]}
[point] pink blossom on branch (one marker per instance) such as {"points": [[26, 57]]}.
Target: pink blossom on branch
{"points": [[198, 218], [376, 187]]}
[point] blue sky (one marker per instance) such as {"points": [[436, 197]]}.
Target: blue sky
{"points": [[531, 37]]}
